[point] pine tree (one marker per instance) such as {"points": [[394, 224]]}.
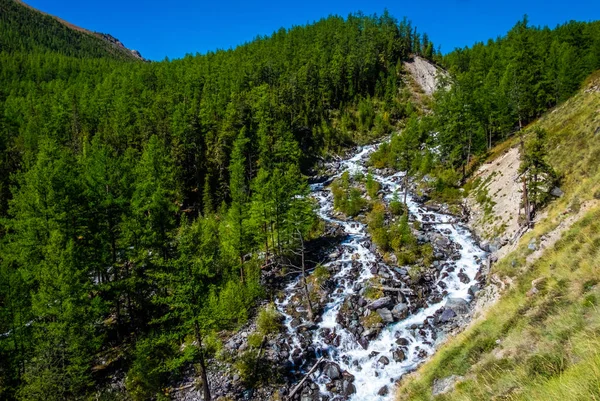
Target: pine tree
{"points": [[405, 147], [539, 176], [236, 225]]}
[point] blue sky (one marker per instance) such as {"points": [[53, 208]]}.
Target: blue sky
{"points": [[160, 29]]}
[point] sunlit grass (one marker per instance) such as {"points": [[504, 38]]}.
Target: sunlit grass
{"points": [[543, 345]]}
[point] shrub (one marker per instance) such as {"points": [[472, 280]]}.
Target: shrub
{"points": [[269, 321], [396, 206], [255, 339], [373, 186], [382, 157], [321, 274], [376, 226], [355, 203]]}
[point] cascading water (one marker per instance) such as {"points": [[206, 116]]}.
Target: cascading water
{"points": [[400, 346]]}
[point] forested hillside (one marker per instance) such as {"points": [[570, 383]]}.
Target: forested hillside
{"points": [[139, 201], [23, 29]]}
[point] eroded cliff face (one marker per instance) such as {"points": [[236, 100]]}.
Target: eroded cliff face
{"points": [[495, 200], [424, 73]]}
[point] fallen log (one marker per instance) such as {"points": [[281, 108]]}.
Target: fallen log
{"points": [[299, 386]]}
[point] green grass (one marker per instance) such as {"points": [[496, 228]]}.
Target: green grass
{"points": [[542, 346]]}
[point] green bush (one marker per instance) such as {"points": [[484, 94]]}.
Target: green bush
{"points": [[382, 157], [396, 206], [269, 321], [255, 339], [373, 186], [321, 274], [377, 228]]}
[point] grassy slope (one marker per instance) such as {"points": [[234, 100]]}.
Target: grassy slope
{"points": [[543, 346]]}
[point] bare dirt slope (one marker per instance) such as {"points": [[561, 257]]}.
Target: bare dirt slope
{"points": [[424, 73], [495, 201]]}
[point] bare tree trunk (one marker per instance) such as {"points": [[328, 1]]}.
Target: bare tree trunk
{"points": [[266, 244], [525, 193], [405, 191], [242, 268], [205, 385], [526, 202]]}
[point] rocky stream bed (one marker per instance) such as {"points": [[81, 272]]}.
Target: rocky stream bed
{"points": [[358, 346]]}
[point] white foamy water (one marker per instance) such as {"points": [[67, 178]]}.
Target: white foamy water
{"points": [[371, 375]]}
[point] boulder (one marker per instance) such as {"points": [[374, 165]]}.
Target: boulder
{"points": [[398, 355], [474, 289], [557, 192], [458, 305], [380, 303], [332, 370], [447, 315], [402, 341], [386, 315], [348, 388], [400, 311], [462, 276], [384, 360], [383, 391]]}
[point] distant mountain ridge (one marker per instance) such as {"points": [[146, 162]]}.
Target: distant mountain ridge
{"points": [[51, 35]]}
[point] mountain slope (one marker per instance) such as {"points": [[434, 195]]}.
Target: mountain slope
{"points": [[25, 29], [540, 341]]}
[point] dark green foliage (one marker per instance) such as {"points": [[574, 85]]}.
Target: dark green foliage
{"points": [[143, 198], [25, 30], [372, 186], [347, 198], [498, 87], [269, 321], [539, 175], [396, 206]]}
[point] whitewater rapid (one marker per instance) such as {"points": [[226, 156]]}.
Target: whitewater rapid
{"points": [[370, 374]]}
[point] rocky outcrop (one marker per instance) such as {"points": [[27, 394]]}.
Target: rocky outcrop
{"points": [[116, 42]]}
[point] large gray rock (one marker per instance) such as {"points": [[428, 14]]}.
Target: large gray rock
{"points": [[458, 305], [386, 315], [447, 315], [332, 370], [380, 303], [557, 192], [348, 388], [400, 311], [439, 241]]}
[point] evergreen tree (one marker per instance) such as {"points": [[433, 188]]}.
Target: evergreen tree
{"points": [[539, 176]]}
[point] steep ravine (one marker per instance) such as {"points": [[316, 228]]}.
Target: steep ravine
{"points": [[363, 363]]}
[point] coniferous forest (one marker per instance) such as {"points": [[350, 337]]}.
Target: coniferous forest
{"points": [[139, 201]]}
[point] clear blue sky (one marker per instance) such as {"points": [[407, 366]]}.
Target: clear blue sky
{"points": [[174, 28]]}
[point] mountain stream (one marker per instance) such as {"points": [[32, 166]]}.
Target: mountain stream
{"points": [[363, 364]]}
